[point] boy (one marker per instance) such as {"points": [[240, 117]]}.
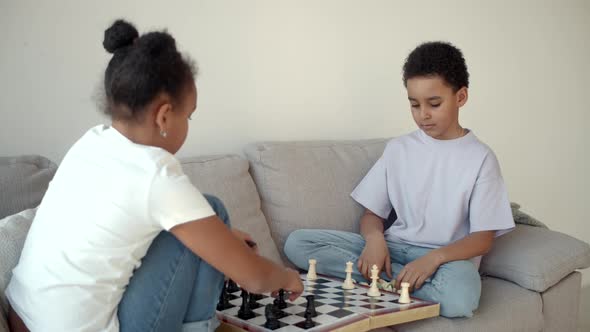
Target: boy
{"points": [[443, 188]]}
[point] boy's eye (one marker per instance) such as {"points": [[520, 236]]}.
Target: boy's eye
{"points": [[435, 105], [415, 106]]}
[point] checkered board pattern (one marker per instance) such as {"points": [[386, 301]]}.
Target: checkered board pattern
{"points": [[337, 309]]}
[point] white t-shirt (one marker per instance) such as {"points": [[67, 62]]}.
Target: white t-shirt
{"points": [[108, 201], [441, 190]]}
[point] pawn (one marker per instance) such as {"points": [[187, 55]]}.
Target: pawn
{"points": [[232, 287], [280, 300], [308, 323], [223, 299], [310, 308], [245, 311], [271, 319]]}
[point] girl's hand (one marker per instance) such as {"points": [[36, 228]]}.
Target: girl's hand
{"points": [[294, 286], [375, 252], [246, 238], [418, 271]]}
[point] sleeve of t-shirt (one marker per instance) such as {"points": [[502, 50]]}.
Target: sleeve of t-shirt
{"points": [[174, 200], [372, 193], [489, 207]]}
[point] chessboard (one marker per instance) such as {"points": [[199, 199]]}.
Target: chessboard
{"points": [[334, 309]]}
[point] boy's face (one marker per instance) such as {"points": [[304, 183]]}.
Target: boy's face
{"points": [[435, 106]]}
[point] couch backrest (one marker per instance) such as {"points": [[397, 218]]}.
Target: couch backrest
{"points": [[227, 177], [308, 184]]}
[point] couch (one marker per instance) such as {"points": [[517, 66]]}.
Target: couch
{"points": [[530, 280]]}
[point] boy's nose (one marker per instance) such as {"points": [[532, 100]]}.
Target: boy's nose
{"points": [[425, 113]]}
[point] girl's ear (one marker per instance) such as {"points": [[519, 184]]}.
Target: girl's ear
{"points": [[163, 113], [462, 96]]}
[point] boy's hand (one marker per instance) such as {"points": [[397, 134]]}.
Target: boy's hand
{"points": [[418, 271], [375, 252], [246, 238]]}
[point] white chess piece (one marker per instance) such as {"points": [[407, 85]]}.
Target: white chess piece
{"points": [[374, 290], [348, 284], [311, 275], [404, 297]]}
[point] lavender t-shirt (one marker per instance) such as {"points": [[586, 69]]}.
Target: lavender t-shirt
{"points": [[441, 190]]}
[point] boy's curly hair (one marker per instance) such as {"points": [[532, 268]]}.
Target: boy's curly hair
{"points": [[437, 59]]}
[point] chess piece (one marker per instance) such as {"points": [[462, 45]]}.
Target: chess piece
{"points": [[374, 290], [404, 297], [223, 299], [348, 284], [311, 274], [272, 321], [245, 311], [308, 323], [311, 305], [232, 287], [280, 300], [385, 285]]}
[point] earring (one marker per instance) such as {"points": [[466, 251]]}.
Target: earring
{"points": [[163, 134]]}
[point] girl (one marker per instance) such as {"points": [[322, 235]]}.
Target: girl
{"points": [[122, 240]]}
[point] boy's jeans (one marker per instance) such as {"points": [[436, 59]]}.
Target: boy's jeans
{"points": [[173, 289], [455, 285]]}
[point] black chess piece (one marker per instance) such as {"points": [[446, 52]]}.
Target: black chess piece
{"points": [[223, 299], [232, 287], [308, 323], [271, 319], [280, 301], [245, 311], [311, 306]]}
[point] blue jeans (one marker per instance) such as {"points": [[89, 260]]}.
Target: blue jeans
{"points": [[455, 285], [173, 289]]}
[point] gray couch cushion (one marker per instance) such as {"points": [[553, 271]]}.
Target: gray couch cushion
{"points": [[561, 304], [227, 177], [308, 184], [504, 307], [13, 231], [534, 257], [23, 182]]}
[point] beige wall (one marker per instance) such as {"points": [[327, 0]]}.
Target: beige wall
{"points": [[300, 70]]}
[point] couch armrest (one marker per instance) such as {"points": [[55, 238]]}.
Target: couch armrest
{"points": [[23, 182], [535, 258]]}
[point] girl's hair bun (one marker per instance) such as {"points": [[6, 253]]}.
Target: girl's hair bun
{"points": [[119, 35], [157, 43]]}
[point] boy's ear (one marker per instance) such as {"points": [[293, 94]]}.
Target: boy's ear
{"points": [[462, 96]]}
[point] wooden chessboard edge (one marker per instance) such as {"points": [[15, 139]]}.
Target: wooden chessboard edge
{"points": [[225, 327], [359, 326], [405, 316], [362, 325]]}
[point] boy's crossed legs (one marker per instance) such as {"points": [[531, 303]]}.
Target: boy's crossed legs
{"points": [[455, 285]]}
